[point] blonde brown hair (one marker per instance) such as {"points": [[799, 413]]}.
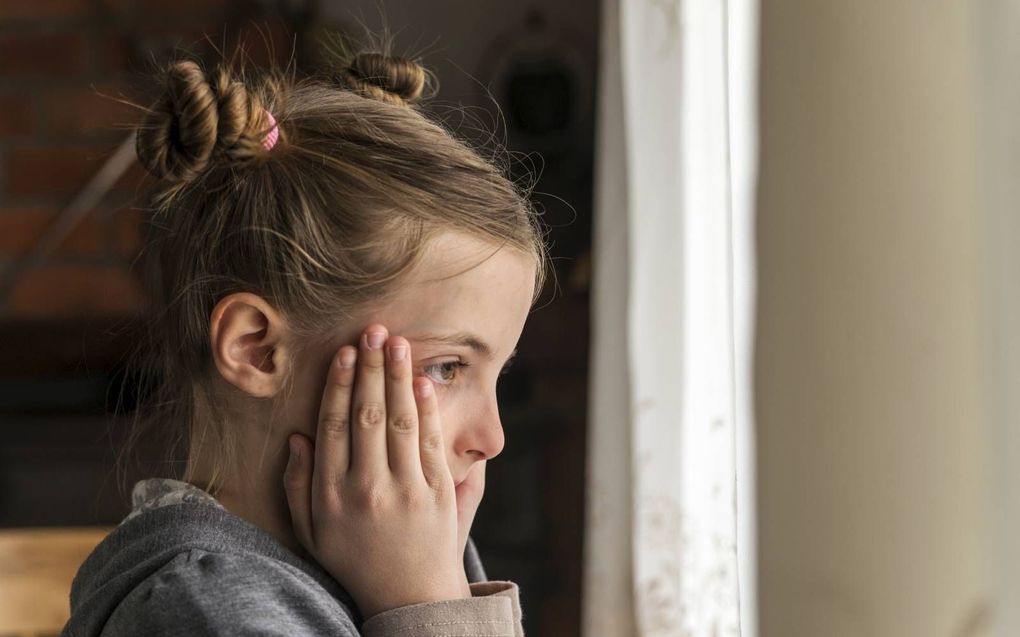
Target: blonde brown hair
{"points": [[328, 221]]}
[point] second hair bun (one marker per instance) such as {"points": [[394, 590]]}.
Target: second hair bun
{"points": [[395, 80]]}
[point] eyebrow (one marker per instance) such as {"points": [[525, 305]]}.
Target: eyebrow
{"points": [[462, 339]]}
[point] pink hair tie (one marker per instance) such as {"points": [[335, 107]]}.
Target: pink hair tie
{"points": [[273, 134]]}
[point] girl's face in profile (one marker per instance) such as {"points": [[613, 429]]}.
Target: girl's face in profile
{"points": [[463, 330]]}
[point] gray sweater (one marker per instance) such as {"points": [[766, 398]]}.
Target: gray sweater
{"points": [[181, 564]]}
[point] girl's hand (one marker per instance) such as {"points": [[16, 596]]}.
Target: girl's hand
{"points": [[374, 502], [469, 496]]}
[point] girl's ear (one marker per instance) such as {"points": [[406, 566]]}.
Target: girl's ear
{"points": [[248, 340]]}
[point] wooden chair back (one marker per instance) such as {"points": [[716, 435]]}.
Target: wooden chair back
{"points": [[36, 569]]}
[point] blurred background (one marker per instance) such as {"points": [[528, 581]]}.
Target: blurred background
{"points": [[771, 388], [524, 73]]}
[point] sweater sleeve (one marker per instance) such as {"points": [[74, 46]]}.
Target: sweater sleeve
{"points": [[207, 594], [493, 610]]}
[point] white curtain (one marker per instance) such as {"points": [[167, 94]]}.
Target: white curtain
{"points": [[669, 538]]}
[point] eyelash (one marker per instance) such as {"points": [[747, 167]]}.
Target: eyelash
{"points": [[456, 366]]}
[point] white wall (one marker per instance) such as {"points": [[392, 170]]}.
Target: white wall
{"points": [[998, 31], [871, 354]]}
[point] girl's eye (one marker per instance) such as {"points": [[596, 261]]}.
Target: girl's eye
{"points": [[447, 371]]}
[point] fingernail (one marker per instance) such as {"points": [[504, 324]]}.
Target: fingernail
{"points": [[375, 340], [398, 352], [346, 358], [295, 451], [425, 389]]}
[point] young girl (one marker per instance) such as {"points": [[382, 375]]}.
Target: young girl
{"points": [[338, 283]]}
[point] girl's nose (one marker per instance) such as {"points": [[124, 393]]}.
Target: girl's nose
{"points": [[483, 433]]}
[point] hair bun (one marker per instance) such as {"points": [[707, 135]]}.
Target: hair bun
{"points": [[395, 80], [197, 118]]}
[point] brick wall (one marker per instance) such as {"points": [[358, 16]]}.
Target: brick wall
{"points": [[63, 64]]}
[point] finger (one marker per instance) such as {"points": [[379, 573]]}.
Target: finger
{"points": [[333, 436], [433, 455], [368, 428], [401, 413], [469, 496], [469, 493], [297, 482]]}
